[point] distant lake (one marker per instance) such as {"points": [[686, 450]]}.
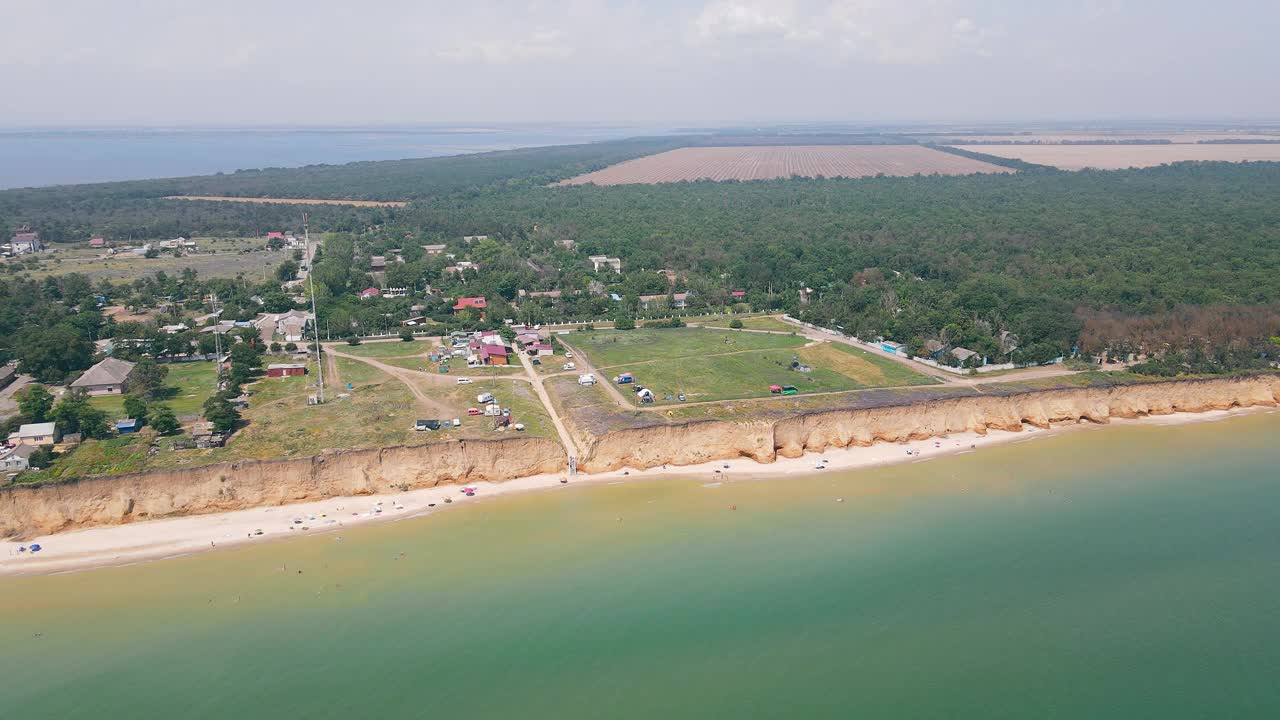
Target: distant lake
{"points": [[34, 157]]}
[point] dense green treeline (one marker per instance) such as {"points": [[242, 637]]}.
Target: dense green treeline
{"points": [[133, 209], [1025, 266]]}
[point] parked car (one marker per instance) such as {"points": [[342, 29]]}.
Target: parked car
{"points": [[587, 379], [427, 425], [484, 398], [473, 411], [789, 390], [457, 422], [568, 354], [569, 366], [464, 381]]}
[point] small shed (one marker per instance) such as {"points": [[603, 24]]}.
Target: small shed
{"points": [[128, 426], [277, 370]]}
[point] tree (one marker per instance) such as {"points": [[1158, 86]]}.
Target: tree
{"points": [[51, 354], [406, 335], [35, 402], [276, 347], [221, 414], [74, 414], [290, 346], [41, 457], [245, 354], [624, 323], [151, 253], [735, 323], [135, 407], [163, 420], [147, 378]]}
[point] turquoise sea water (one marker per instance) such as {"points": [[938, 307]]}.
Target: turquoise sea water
{"points": [[1130, 572]]}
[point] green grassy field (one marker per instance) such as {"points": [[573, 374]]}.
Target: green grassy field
{"points": [[756, 323], [187, 386], [708, 365], [613, 348], [218, 257], [386, 349]]}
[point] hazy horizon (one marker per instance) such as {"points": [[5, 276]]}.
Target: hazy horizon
{"points": [[714, 62]]}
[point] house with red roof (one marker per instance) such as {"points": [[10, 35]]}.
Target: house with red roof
{"points": [[97, 242], [274, 235], [369, 293], [470, 302], [738, 293]]}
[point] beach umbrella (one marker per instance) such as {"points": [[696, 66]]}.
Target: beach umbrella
{"points": [[35, 548]]}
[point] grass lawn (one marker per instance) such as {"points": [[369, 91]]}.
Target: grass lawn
{"points": [[186, 387], [218, 257], [612, 348], [756, 323], [742, 375], [355, 372], [381, 349]]}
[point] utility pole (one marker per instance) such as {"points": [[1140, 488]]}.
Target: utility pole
{"points": [[315, 319], [217, 346]]}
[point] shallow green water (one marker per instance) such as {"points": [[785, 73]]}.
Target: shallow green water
{"points": [[1124, 573]]}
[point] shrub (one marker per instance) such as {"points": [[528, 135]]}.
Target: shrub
{"points": [[736, 324], [406, 335], [353, 340]]}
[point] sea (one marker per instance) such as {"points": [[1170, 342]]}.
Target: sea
{"points": [[1123, 572], [32, 157]]}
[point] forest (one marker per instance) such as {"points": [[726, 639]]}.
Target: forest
{"points": [[1023, 267]]}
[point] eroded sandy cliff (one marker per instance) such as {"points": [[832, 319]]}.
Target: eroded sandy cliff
{"points": [[232, 486], [111, 500]]}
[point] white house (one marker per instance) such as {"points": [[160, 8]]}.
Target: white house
{"points": [[599, 261]]}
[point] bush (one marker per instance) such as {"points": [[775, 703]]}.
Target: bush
{"points": [[291, 347], [163, 420], [276, 347], [353, 340], [406, 335], [624, 323], [736, 324]]}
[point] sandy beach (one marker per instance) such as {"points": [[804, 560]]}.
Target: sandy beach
{"points": [[117, 545]]}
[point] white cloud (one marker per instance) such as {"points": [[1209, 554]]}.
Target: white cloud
{"points": [[540, 45], [891, 32]]}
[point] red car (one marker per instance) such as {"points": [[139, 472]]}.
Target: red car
{"points": [[473, 411]]}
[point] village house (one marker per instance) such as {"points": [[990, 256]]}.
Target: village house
{"points": [[108, 377], [378, 263], [128, 426], [16, 459], [395, 292], [275, 235], [433, 249], [738, 294], [965, 356], [599, 261], [97, 242], [676, 301], [540, 293], [474, 238], [35, 434], [539, 349], [177, 244], [477, 303], [369, 293], [26, 242], [8, 373], [277, 370]]}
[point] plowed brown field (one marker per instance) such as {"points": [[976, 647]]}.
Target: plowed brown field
{"points": [[767, 163], [1117, 157]]}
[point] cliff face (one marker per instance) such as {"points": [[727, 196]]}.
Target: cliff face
{"points": [[687, 444], [233, 486], [111, 500]]}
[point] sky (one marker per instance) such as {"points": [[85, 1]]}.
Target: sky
{"points": [[294, 62]]}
